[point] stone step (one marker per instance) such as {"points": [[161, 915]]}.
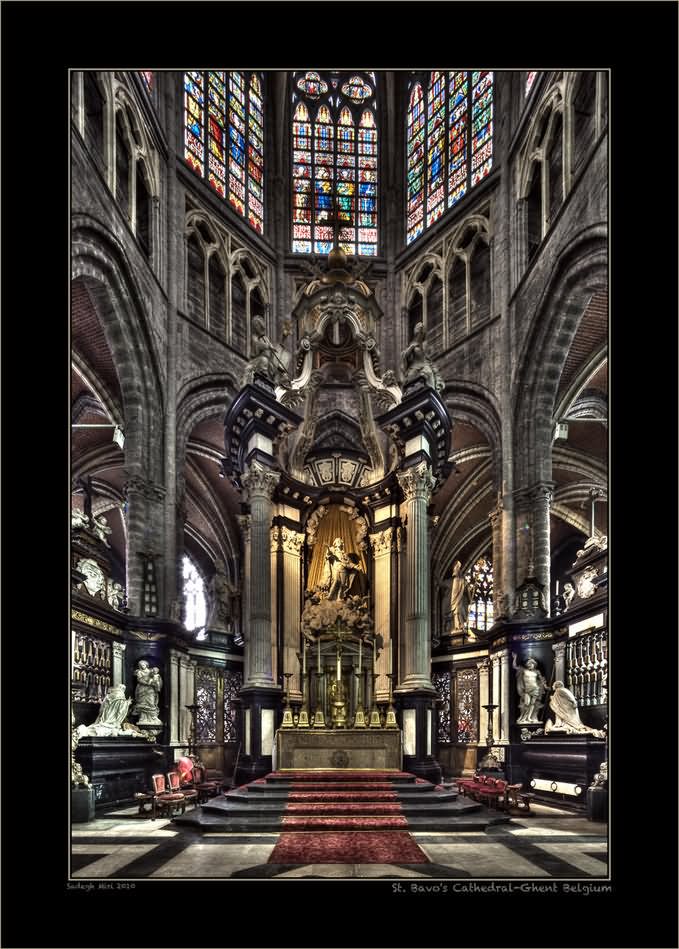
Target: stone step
{"points": [[412, 795]]}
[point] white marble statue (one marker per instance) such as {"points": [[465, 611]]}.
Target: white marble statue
{"points": [[116, 595], [100, 527], [95, 581], [460, 598], [266, 359], [531, 686], [568, 594], [567, 718], [147, 693], [343, 575], [112, 713]]}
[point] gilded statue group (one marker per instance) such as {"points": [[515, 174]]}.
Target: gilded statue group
{"points": [[343, 575]]}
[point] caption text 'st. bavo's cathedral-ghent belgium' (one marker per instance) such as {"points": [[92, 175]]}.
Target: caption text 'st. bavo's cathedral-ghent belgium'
{"points": [[339, 489]]}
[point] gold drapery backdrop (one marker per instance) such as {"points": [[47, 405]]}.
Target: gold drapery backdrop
{"points": [[336, 523]]}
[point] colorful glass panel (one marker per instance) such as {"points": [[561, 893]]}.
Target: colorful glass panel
{"points": [[357, 89], [480, 580], [530, 79], [231, 132], [312, 85], [415, 165], [194, 152], [453, 151], [334, 169]]}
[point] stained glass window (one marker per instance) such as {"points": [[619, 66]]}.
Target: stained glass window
{"points": [[456, 142], [206, 700], [480, 579], [530, 79], [467, 705], [334, 164], [195, 605], [415, 164], [233, 681], [441, 682], [224, 117]]}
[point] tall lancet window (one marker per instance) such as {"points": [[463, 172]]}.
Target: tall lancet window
{"points": [[449, 143], [480, 579], [224, 123], [195, 604], [334, 163]]}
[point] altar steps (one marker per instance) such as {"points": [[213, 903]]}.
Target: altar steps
{"points": [[295, 802]]}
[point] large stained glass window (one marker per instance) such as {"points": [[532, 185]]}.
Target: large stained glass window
{"points": [[224, 119], [480, 579], [530, 79], [334, 163], [449, 143], [467, 705], [148, 78]]}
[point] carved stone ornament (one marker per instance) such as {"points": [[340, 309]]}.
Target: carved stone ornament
{"points": [[381, 542], [260, 482], [245, 523], [95, 580], [148, 489], [290, 542], [313, 522], [599, 542], [585, 587], [417, 482]]}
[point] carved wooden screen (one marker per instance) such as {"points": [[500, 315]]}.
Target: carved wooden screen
{"points": [[467, 705], [441, 681]]}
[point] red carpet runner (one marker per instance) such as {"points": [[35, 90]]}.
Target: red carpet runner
{"points": [[348, 818]]}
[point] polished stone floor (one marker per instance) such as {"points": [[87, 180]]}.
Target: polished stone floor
{"points": [[545, 844]]}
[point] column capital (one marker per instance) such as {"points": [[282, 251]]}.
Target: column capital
{"points": [[542, 491], [559, 649], [290, 542], [417, 482], [118, 650], [503, 655], [483, 665], [259, 481], [382, 541]]}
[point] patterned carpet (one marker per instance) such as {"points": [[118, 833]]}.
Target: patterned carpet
{"points": [[347, 847]]}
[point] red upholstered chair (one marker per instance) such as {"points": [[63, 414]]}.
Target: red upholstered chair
{"points": [[492, 791], [174, 780], [164, 800], [205, 788]]}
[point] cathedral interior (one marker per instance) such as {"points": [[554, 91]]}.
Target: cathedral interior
{"points": [[339, 487]]}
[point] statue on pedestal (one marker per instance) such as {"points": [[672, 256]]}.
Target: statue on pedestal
{"points": [[220, 614], [531, 686], [460, 598], [416, 364], [147, 693], [267, 360], [567, 718], [343, 575]]}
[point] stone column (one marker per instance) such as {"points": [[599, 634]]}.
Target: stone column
{"points": [[381, 545], [495, 518], [244, 521], [484, 699], [174, 696], [497, 699], [559, 661], [292, 544], [505, 696], [417, 484], [415, 693], [118, 650], [541, 498], [259, 482]]}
